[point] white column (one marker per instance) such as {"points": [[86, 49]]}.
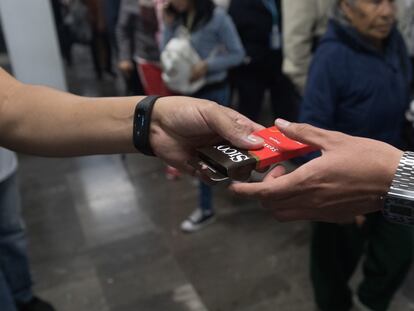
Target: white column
{"points": [[32, 44]]}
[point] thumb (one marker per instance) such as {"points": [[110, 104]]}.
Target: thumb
{"points": [[304, 133], [235, 128]]}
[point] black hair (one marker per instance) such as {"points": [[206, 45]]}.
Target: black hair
{"points": [[204, 10]]}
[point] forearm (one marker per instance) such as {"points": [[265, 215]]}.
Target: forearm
{"points": [[41, 121]]}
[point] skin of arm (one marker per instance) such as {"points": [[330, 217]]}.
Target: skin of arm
{"points": [[349, 178], [41, 121]]}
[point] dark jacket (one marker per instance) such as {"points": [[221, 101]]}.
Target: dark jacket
{"points": [[254, 25], [356, 89]]}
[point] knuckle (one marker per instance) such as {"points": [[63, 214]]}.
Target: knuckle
{"points": [[335, 138], [302, 129], [266, 193]]}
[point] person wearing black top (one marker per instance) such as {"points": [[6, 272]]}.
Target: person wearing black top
{"points": [[259, 25]]}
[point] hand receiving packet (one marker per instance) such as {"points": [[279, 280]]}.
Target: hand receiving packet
{"points": [[222, 162]]}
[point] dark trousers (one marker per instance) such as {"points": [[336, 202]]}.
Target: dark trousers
{"points": [[336, 250], [251, 83], [101, 53]]}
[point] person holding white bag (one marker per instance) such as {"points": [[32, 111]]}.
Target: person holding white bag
{"points": [[199, 45]]}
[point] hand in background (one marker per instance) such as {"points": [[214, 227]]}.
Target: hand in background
{"points": [[199, 71], [126, 67]]}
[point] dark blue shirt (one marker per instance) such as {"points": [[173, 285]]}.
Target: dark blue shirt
{"points": [[356, 89]]}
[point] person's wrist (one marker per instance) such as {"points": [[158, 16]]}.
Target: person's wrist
{"points": [[156, 117], [143, 119], [159, 113]]}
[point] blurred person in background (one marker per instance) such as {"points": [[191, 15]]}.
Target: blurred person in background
{"points": [[16, 292], [65, 40], [159, 11], [111, 14], [214, 38], [100, 44], [147, 53], [130, 46], [259, 24], [359, 84], [304, 23]]}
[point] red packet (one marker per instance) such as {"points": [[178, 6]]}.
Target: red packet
{"points": [[222, 162]]}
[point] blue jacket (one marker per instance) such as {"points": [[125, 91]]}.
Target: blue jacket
{"points": [[356, 89]]}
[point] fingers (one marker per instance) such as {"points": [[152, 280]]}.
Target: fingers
{"points": [[278, 171], [274, 187], [304, 133], [234, 127]]}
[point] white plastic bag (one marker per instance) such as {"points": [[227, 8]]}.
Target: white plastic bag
{"points": [[177, 61]]}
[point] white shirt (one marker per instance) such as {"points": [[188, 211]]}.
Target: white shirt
{"points": [[8, 164]]}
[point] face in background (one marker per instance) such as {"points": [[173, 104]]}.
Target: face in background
{"points": [[373, 19], [181, 6]]}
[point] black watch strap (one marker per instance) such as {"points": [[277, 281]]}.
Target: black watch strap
{"points": [[142, 122]]}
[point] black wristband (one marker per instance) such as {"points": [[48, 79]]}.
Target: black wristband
{"points": [[142, 122]]}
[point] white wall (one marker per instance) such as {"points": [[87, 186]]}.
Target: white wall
{"points": [[32, 44]]}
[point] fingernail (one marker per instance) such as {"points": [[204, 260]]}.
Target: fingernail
{"points": [[281, 123], [254, 139]]}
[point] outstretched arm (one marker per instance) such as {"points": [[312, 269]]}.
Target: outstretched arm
{"points": [[42, 121]]}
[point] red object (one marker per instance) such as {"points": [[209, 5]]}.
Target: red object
{"points": [[278, 148], [171, 173], [150, 75], [226, 161]]}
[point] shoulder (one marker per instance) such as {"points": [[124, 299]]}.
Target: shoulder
{"points": [[330, 66], [334, 49], [331, 54], [220, 20]]}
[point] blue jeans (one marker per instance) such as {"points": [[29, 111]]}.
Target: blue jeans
{"points": [[221, 96], [15, 278]]}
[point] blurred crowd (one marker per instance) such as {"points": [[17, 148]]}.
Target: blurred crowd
{"points": [[343, 65]]}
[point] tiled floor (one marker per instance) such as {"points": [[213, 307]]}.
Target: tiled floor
{"points": [[104, 237]]}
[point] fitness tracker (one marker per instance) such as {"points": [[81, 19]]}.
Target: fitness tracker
{"points": [[142, 122]]}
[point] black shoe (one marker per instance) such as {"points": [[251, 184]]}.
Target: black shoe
{"points": [[36, 304]]}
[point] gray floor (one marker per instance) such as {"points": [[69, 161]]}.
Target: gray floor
{"points": [[104, 236]]}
